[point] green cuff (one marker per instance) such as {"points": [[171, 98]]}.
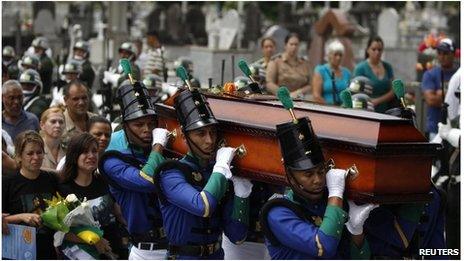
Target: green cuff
{"points": [[217, 185], [154, 160], [334, 220], [360, 253], [241, 209]]}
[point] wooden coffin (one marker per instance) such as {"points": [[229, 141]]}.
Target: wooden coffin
{"points": [[393, 158]]}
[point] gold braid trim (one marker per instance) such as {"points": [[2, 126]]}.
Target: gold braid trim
{"points": [[146, 177], [206, 202], [320, 249], [401, 233]]}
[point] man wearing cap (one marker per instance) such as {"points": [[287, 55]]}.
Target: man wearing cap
{"points": [[128, 50], [129, 168], [397, 231], [10, 62], [29, 62], [308, 222], [400, 231], [34, 101], [40, 45], [431, 84], [81, 54], [196, 199], [154, 83], [71, 72], [188, 65]]}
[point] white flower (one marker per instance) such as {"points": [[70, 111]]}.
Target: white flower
{"points": [[71, 198]]}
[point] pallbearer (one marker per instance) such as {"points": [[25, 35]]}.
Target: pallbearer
{"points": [[198, 201], [308, 222], [129, 164]]}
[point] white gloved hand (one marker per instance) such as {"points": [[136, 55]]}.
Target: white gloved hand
{"points": [[110, 77], [358, 215], [224, 157], [160, 136], [335, 180], [450, 134], [242, 187]]}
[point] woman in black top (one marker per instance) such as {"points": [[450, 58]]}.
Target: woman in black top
{"points": [[78, 177], [24, 192]]}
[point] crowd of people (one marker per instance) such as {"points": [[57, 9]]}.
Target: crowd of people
{"points": [[152, 207]]}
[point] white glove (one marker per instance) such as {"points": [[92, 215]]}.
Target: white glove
{"points": [[242, 187], [160, 136], [335, 180], [224, 157], [168, 88], [358, 215], [452, 135], [110, 77]]}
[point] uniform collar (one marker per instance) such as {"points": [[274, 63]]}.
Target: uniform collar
{"points": [[194, 161]]}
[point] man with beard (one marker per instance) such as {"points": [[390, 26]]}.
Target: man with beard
{"points": [[307, 223], [15, 119], [193, 191], [129, 166]]}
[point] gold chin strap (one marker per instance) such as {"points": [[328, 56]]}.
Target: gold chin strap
{"points": [[320, 249]]}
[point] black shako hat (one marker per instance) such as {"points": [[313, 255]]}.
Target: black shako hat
{"points": [[134, 101], [299, 145], [193, 111]]}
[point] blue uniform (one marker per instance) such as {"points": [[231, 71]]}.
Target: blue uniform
{"points": [[197, 213], [131, 185], [401, 230], [305, 237]]}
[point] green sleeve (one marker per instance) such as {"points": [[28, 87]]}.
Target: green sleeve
{"points": [[217, 185], [333, 222], [154, 160], [360, 253], [241, 209]]}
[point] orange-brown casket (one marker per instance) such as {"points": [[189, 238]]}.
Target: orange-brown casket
{"points": [[393, 158]]}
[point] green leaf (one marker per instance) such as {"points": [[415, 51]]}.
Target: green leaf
{"points": [[345, 96], [398, 88], [182, 73], [284, 96], [242, 64], [53, 217], [126, 66]]}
